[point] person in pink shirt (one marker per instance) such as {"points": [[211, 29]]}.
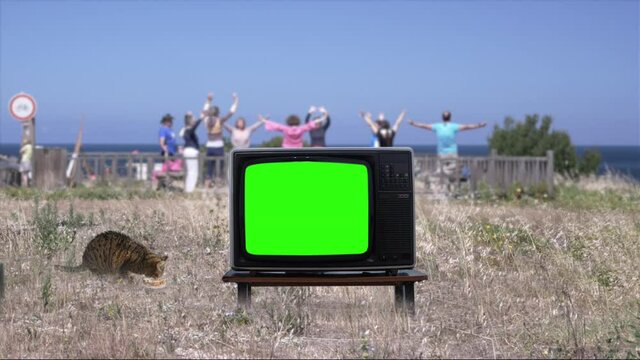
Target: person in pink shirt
{"points": [[168, 166], [293, 131]]}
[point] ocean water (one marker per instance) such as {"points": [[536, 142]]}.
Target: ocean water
{"points": [[621, 159]]}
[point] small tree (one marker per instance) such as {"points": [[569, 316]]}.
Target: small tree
{"points": [[527, 139]]}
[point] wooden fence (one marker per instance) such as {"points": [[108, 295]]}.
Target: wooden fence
{"points": [[109, 167], [499, 173]]}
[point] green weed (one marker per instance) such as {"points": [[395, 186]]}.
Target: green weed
{"points": [[110, 311]]}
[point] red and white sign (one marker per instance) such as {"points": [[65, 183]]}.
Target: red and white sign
{"points": [[22, 107]]}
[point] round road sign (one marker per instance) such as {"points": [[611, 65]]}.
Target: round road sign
{"points": [[22, 107]]}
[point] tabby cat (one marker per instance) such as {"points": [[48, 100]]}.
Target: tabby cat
{"points": [[112, 252]]}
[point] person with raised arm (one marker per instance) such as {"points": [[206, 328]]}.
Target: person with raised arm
{"points": [[213, 122], [241, 134], [446, 132], [446, 139], [317, 135], [293, 131], [382, 129]]}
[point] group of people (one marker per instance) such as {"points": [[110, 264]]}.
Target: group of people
{"points": [[316, 123]]}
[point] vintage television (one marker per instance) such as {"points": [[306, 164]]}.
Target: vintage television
{"points": [[321, 209]]}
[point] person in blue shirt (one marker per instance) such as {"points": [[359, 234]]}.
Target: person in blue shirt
{"points": [[167, 136], [446, 139]]}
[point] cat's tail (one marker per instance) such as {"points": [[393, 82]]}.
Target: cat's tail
{"points": [[78, 268]]}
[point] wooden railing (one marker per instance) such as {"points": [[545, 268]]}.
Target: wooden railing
{"points": [[142, 167], [496, 172]]}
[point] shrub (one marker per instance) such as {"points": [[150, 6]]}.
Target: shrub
{"points": [[53, 231], [526, 138]]}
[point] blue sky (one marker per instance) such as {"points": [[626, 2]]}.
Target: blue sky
{"points": [[123, 64]]}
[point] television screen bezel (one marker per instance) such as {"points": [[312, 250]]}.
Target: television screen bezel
{"points": [[373, 155], [306, 258]]}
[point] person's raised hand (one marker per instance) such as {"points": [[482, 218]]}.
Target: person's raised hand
{"points": [[210, 97], [312, 109], [262, 118], [483, 124], [322, 109], [411, 122], [234, 106]]}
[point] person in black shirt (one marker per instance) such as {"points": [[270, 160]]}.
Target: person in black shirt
{"points": [[383, 130], [191, 150], [317, 135]]}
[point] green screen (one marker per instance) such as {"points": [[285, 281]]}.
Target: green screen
{"points": [[305, 208]]}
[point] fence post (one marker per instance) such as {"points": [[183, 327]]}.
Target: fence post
{"points": [[201, 170], [491, 171], [473, 179], [114, 168], [77, 174], [550, 174], [101, 167], [129, 166], [150, 172], [50, 166], [522, 177], [1, 282]]}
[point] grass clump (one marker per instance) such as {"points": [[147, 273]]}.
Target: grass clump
{"points": [[508, 240], [46, 292], [572, 196], [111, 311], [623, 341], [101, 192], [53, 231]]}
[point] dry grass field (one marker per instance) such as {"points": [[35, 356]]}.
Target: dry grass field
{"points": [[508, 278]]}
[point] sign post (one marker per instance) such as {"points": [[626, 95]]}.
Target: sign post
{"points": [[22, 107]]}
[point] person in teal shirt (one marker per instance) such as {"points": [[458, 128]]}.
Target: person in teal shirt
{"points": [[447, 147], [446, 133]]}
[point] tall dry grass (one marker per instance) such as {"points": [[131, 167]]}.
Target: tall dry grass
{"points": [[507, 279]]}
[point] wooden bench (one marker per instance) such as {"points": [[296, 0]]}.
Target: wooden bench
{"points": [[403, 283], [166, 179]]}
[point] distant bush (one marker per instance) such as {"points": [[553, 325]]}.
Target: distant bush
{"points": [[275, 141], [526, 138], [590, 162]]}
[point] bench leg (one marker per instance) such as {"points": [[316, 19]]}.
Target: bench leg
{"points": [[409, 298], [405, 297], [244, 295], [399, 296]]}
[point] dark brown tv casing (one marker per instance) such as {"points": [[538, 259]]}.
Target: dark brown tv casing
{"points": [[391, 210]]}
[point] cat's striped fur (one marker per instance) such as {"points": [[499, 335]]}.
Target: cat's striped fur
{"points": [[112, 252]]}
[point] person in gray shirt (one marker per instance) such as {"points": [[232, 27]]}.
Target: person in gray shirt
{"points": [[241, 134]]}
